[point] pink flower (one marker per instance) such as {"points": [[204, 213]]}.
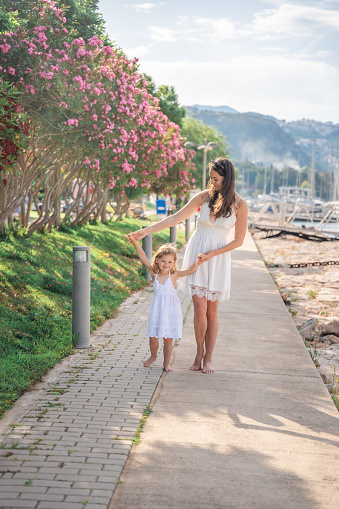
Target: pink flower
{"points": [[133, 183], [72, 121], [11, 70], [5, 47], [63, 104], [30, 89], [81, 52]]}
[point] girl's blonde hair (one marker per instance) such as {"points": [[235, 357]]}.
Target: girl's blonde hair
{"points": [[166, 249]]}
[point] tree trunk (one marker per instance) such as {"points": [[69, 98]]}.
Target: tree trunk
{"points": [[104, 207]]}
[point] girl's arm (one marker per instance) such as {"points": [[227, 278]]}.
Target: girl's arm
{"points": [[180, 216], [239, 233], [141, 253], [181, 273]]}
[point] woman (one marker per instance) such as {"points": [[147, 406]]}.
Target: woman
{"points": [[221, 209]]}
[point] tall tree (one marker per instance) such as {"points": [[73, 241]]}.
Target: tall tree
{"points": [[82, 17], [168, 100]]}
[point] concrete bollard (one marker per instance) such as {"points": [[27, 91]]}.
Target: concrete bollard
{"points": [[173, 234], [187, 229], [147, 247], [81, 295]]}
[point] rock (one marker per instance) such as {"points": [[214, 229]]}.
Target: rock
{"points": [[309, 329], [330, 328], [331, 338], [286, 298]]}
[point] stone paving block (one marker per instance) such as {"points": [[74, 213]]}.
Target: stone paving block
{"points": [[61, 505], [70, 491], [82, 476], [93, 467], [5, 484], [115, 467], [52, 484], [43, 496], [112, 478], [57, 470], [32, 489], [14, 504], [101, 493], [95, 506], [11, 463], [29, 469], [41, 475], [93, 500], [8, 495]]}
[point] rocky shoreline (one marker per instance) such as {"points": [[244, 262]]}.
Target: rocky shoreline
{"points": [[310, 293]]}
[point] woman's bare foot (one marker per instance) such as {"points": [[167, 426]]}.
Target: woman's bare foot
{"points": [[149, 362], [196, 366], [168, 368], [207, 368]]}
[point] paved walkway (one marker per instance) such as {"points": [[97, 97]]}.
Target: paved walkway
{"points": [[262, 432]]}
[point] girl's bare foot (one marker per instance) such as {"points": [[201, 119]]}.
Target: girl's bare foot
{"points": [[207, 368], [149, 362], [196, 366], [168, 368]]}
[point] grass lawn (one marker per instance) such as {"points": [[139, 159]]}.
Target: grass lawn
{"points": [[36, 295]]}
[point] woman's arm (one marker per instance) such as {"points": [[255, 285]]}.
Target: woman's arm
{"points": [[141, 253], [239, 233], [176, 218]]}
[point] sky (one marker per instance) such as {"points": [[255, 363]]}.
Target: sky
{"points": [[266, 56]]}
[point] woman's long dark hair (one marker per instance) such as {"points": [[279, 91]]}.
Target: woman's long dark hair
{"points": [[221, 202]]}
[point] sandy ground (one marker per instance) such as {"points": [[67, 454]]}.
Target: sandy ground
{"points": [[313, 291]]}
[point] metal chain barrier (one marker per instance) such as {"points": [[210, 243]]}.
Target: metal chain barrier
{"points": [[310, 264]]}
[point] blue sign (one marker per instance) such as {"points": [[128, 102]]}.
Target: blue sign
{"points": [[161, 206]]}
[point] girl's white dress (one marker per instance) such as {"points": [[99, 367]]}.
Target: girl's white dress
{"points": [[165, 316], [213, 278]]}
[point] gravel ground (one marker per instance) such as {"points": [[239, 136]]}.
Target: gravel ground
{"points": [[313, 291]]}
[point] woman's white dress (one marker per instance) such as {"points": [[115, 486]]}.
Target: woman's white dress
{"points": [[165, 315], [212, 279]]}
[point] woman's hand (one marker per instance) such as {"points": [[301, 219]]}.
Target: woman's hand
{"points": [[138, 235], [201, 258], [207, 255]]}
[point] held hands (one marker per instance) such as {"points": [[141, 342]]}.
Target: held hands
{"points": [[201, 258], [135, 236], [132, 239], [204, 257]]}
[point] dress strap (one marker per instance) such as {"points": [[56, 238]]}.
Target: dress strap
{"points": [[237, 200]]}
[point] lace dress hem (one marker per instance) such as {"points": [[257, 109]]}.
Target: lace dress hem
{"points": [[209, 294]]}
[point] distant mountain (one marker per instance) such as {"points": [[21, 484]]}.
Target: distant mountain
{"points": [[266, 139], [224, 109], [254, 137]]}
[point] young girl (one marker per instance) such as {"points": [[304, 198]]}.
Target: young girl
{"points": [[165, 317]]}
